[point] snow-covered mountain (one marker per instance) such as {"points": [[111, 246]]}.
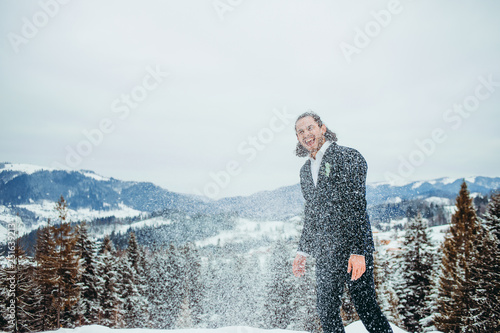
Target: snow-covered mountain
{"points": [[22, 184], [28, 194], [445, 187], [287, 201]]}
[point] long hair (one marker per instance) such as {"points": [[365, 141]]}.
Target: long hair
{"points": [[300, 151]]}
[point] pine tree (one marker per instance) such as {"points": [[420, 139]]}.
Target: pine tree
{"points": [[428, 323], [256, 290], [133, 286], [175, 286], [214, 300], [194, 289], [417, 270], [166, 288], [303, 302], [110, 302], [129, 294], [485, 274], [456, 289], [491, 219], [386, 274], [158, 290], [67, 290], [233, 281], [20, 290], [87, 308], [227, 288], [190, 312], [279, 288], [46, 277]]}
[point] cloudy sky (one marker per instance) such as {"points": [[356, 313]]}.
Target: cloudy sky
{"points": [[200, 96]]}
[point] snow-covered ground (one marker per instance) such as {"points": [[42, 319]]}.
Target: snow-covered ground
{"points": [[46, 209], [393, 240], [356, 327], [6, 219], [439, 201], [24, 168], [393, 200], [246, 229], [123, 228]]}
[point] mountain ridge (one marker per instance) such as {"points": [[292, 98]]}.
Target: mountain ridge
{"points": [[25, 184]]}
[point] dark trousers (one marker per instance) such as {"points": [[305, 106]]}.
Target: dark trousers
{"points": [[331, 276]]}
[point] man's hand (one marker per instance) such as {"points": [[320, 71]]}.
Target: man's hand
{"points": [[299, 265], [357, 265]]}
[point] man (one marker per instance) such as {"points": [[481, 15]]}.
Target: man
{"points": [[336, 228]]}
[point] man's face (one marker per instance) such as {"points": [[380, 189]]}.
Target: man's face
{"points": [[309, 134]]}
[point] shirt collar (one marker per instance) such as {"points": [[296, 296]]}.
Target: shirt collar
{"points": [[321, 151]]}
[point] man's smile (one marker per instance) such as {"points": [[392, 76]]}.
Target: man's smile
{"points": [[310, 141]]}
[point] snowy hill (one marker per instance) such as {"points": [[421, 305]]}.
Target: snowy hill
{"points": [[28, 194], [22, 184], [356, 327]]}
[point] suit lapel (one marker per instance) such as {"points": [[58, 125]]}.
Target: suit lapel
{"points": [[308, 181]]}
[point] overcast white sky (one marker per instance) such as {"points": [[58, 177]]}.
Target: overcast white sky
{"points": [[232, 68]]}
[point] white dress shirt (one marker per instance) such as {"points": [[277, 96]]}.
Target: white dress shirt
{"points": [[316, 162]]}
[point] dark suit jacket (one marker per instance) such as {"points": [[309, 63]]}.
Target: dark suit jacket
{"points": [[336, 222]]}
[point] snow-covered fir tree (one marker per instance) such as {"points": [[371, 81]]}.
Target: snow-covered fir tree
{"points": [[46, 277], [303, 299], [222, 288], [303, 302], [428, 323], [194, 291], [210, 301], [491, 219], [235, 288], [91, 282], [386, 274], [111, 314], [133, 306], [417, 267], [67, 290], [253, 291], [175, 286], [20, 292], [485, 273], [279, 287], [457, 290], [158, 289], [133, 286], [238, 292], [174, 289]]}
